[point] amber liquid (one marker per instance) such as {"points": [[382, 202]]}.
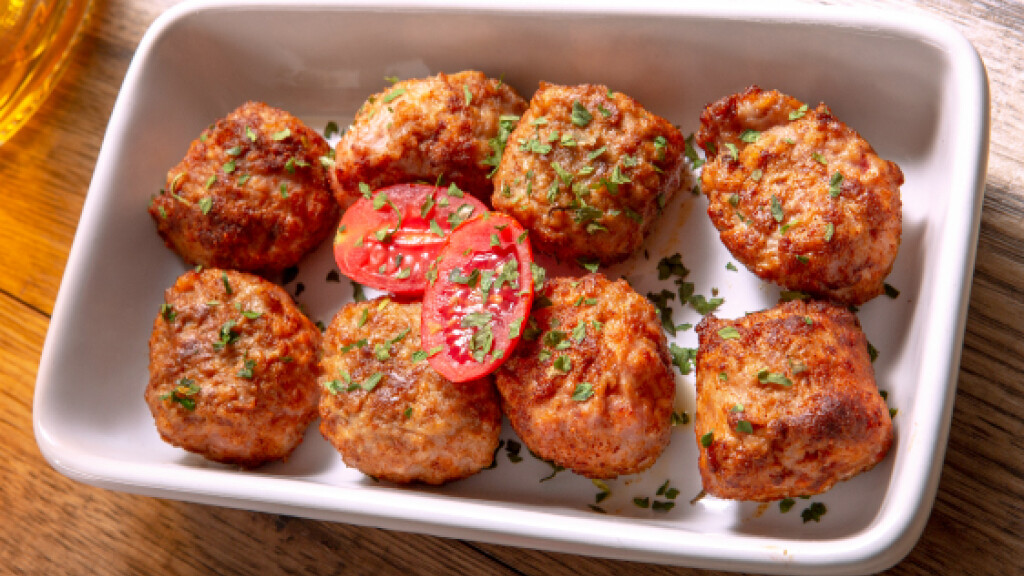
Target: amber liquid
{"points": [[36, 38]]}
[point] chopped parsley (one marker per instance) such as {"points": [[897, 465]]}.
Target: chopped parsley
{"points": [[583, 392], [184, 394], [248, 364], [394, 94], [729, 333], [707, 439], [580, 117], [679, 418], [590, 265], [563, 363], [835, 184], [813, 512], [691, 153], [766, 377], [506, 123], [227, 335], [798, 113], [370, 383], [776, 207], [682, 358]]}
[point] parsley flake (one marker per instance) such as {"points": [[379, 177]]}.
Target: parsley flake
{"points": [[707, 439], [814, 512], [835, 185], [583, 392], [580, 117], [563, 363], [184, 394], [729, 333], [766, 377], [776, 207]]}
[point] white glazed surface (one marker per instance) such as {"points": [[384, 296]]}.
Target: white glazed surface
{"points": [[915, 90]]}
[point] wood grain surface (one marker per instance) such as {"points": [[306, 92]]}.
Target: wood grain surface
{"points": [[52, 525]]}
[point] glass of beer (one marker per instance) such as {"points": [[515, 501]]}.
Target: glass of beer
{"points": [[36, 38]]}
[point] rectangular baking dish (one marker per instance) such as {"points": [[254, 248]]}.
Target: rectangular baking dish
{"points": [[912, 87]]}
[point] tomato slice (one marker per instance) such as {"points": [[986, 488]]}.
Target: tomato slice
{"points": [[388, 239], [475, 308]]}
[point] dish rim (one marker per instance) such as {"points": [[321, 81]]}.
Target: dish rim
{"points": [[907, 503]]}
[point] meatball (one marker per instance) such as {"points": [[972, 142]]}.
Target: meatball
{"points": [[590, 386], [232, 368], [786, 402], [799, 197], [588, 171], [388, 413], [433, 129], [251, 193]]}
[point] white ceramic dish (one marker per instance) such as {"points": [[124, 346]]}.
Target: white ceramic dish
{"points": [[914, 88]]}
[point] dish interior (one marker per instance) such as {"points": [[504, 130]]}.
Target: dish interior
{"points": [[321, 64]]}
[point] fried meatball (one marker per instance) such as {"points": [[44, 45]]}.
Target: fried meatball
{"points": [[588, 171], [590, 386], [786, 402], [425, 129], [251, 193], [232, 368], [799, 197], [388, 413]]}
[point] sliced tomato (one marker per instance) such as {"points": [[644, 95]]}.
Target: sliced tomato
{"points": [[388, 239], [476, 305]]}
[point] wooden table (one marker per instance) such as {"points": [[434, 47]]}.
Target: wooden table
{"points": [[53, 525]]}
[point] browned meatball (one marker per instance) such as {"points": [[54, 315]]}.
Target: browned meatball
{"points": [[426, 129], [786, 402], [799, 197], [590, 386], [388, 412], [588, 171], [251, 193], [232, 368]]}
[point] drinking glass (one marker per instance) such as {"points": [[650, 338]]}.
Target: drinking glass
{"points": [[36, 38]]}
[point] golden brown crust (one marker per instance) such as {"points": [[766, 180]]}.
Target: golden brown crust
{"points": [[424, 129], [780, 207], [213, 338], [223, 205], [827, 426], [621, 352], [611, 176], [413, 425]]}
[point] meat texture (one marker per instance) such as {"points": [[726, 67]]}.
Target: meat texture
{"points": [[251, 194], [588, 171], [799, 197], [590, 386], [232, 368], [436, 129], [787, 404], [388, 413]]}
